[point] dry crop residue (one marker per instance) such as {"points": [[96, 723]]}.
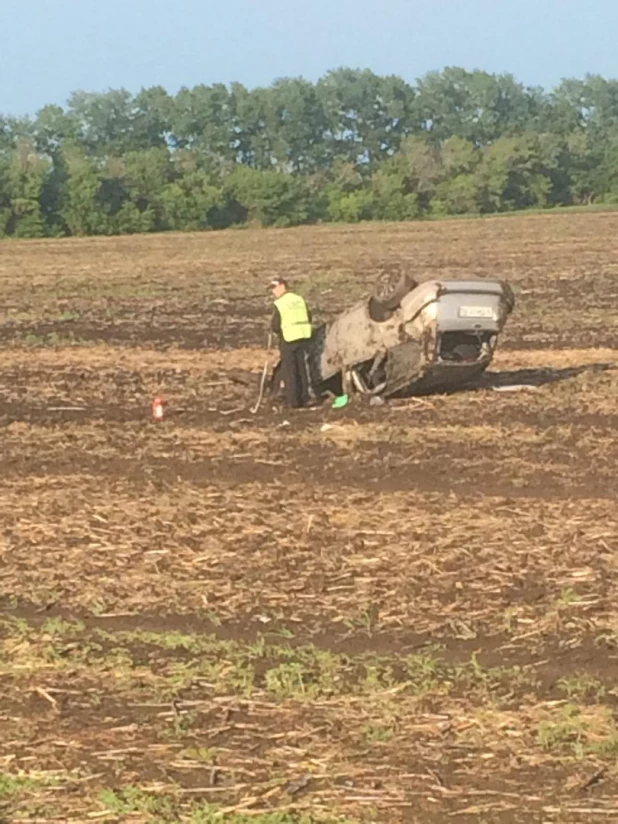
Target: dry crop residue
{"points": [[408, 616]]}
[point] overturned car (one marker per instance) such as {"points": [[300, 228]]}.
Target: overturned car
{"points": [[410, 338]]}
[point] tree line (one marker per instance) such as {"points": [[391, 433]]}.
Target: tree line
{"points": [[353, 146]]}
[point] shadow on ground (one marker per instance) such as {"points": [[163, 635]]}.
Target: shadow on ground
{"points": [[537, 377]]}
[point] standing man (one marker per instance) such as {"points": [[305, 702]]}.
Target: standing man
{"points": [[292, 322]]}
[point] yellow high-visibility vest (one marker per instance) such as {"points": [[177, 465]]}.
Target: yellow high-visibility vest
{"points": [[295, 323]]}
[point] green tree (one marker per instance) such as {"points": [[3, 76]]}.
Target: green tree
{"points": [[477, 106], [353, 146], [203, 120], [103, 121], [5, 135], [53, 128], [82, 211], [564, 109], [457, 193], [344, 198], [584, 158], [424, 169], [511, 175], [254, 127], [394, 191], [590, 103], [604, 174], [191, 203], [298, 122], [555, 161], [366, 115], [270, 198], [27, 174], [144, 177], [13, 129], [459, 156], [151, 119], [5, 196], [129, 220], [349, 207]]}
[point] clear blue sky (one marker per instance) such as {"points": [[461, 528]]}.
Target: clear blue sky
{"points": [[49, 48]]}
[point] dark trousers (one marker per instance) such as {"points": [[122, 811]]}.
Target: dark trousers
{"points": [[294, 373]]}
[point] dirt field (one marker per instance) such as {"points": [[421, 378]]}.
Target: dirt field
{"points": [[410, 617]]}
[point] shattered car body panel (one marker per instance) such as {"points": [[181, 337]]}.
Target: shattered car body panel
{"points": [[442, 335]]}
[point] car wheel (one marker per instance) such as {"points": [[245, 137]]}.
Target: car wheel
{"points": [[391, 287]]}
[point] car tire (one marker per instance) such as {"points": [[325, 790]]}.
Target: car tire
{"points": [[390, 288]]}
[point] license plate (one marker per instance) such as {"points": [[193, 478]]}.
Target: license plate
{"points": [[476, 312]]}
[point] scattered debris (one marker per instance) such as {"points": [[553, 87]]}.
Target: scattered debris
{"points": [[340, 402], [594, 779], [516, 387], [299, 784], [241, 378], [157, 409], [45, 694]]}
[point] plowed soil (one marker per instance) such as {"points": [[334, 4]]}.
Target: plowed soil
{"points": [[406, 616]]}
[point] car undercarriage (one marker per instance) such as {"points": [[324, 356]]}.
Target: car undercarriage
{"points": [[411, 339]]}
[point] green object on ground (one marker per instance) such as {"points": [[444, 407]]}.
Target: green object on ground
{"points": [[340, 402]]}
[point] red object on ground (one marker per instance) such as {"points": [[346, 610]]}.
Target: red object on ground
{"points": [[157, 409]]}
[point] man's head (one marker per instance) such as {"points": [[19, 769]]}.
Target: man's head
{"points": [[278, 287]]}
